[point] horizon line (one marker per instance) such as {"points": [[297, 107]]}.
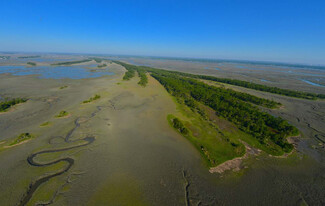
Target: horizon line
{"points": [[174, 58]]}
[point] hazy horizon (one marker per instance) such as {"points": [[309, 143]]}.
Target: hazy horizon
{"points": [[165, 57], [277, 31]]}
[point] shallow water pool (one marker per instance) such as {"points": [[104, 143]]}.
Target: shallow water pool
{"points": [[55, 72]]}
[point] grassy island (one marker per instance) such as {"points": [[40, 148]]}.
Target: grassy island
{"points": [[28, 57], [63, 87], [102, 65], [31, 63], [131, 69], [97, 96], [45, 124], [62, 114], [177, 124], [22, 137], [71, 62], [5, 105], [98, 60]]}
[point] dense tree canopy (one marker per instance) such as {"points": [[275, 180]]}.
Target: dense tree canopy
{"points": [[233, 106], [250, 85], [237, 107], [131, 69]]}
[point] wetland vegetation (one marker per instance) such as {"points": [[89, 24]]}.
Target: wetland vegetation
{"points": [[4, 57], [268, 133], [68, 63], [245, 84], [162, 103], [91, 99], [63, 87], [29, 57], [102, 65], [45, 124], [98, 60], [264, 88], [204, 118], [31, 63], [131, 69], [62, 114], [6, 104], [22, 137]]}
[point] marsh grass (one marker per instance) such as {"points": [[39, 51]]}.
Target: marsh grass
{"points": [[62, 114], [71, 62], [31, 63], [102, 65], [22, 137], [28, 57], [45, 124], [7, 104], [91, 99], [63, 87], [214, 147]]}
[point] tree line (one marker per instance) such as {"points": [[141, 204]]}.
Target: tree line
{"points": [[268, 130], [237, 107], [130, 73], [250, 85], [71, 62]]}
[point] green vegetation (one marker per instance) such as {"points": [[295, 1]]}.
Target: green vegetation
{"points": [[31, 63], [63, 87], [22, 137], [98, 60], [45, 124], [4, 57], [250, 85], [177, 124], [131, 69], [71, 62], [236, 107], [215, 145], [97, 96], [5, 105], [102, 65], [28, 57], [62, 114], [143, 77], [130, 73], [264, 88]]}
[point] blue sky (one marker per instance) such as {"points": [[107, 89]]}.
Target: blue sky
{"points": [[287, 31]]}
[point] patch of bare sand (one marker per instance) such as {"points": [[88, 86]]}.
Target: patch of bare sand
{"points": [[236, 163]]}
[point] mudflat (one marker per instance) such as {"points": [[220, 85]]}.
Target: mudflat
{"points": [[120, 149]]}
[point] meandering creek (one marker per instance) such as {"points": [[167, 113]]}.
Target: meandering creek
{"points": [[70, 161]]}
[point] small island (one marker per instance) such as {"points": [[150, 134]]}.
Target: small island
{"points": [[21, 138], [7, 104], [31, 63], [62, 114], [63, 87], [91, 99], [102, 65]]}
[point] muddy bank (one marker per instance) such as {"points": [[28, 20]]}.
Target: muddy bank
{"points": [[236, 163]]}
